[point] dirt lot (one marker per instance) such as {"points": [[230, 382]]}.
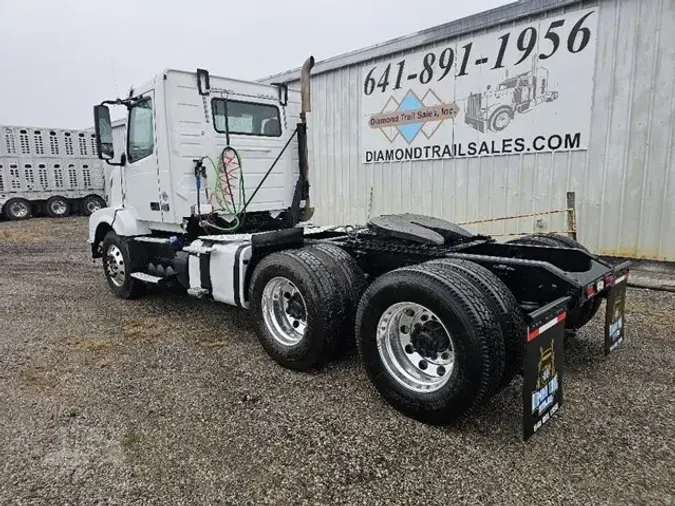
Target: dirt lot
{"points": [[169, 400]]}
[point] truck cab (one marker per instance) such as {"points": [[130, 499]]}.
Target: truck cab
{"points": [[198, 148]]}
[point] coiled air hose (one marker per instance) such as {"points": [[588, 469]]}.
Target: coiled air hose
{"points": [[228, 182]]}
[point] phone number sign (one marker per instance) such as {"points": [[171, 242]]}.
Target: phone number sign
{"points": [[525, 89]]}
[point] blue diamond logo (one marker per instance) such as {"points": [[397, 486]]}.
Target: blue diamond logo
{"points": [[410, 103]]}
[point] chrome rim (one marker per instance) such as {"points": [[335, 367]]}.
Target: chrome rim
{"points": [[18, 209], [502, 119], [284, 311], [93, 205], [114, 265], [415, 347], [58, 207]]}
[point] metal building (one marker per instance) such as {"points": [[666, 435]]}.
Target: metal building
{"points": [[503, 113]]}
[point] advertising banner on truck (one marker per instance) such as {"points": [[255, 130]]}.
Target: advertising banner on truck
{"points": [[524, 89]]}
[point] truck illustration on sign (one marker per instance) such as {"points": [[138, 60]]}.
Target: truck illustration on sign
{"points": [[494, 109]]}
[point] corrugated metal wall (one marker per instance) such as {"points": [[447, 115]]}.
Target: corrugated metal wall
{"points": [[624, 184]]}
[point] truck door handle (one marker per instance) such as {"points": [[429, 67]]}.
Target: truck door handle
{"points": [[154, 206]]}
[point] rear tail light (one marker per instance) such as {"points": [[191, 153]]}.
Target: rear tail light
{"points": [[590, 290]]}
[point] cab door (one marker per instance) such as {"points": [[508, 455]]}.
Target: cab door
{"points": [[141, 186]]}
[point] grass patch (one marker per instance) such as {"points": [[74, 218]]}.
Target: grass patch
{"points": [[144, 328], [20, 235], [131, 439], [91, 344], [34, 378]]}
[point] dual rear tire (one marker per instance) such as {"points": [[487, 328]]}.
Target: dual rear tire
{"points": [[302, 302], [436, 339]]}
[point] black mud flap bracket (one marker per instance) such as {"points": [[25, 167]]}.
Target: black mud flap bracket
{"points": [[615, 321], [543, 365]]}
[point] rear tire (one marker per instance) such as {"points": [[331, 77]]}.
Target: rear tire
{"points": [[584, 314], [16, 209], [352, 282], [465, 317], [505, 307], [57, 207], [118, 266], [295, 301]]}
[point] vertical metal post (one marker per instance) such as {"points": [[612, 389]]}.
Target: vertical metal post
{"points": [[571, 215]]}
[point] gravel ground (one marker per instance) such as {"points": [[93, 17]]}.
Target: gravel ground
{"points": [[169, 400]]}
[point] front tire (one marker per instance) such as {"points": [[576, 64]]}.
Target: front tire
{"points": [[429, 342], [118, 266], [295, 301], [500, 119]]}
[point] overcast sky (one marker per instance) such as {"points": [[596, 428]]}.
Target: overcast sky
{"points": [[60, 57]]}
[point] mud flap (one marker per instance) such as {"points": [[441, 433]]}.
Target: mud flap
{"points": [[615, 322], [543, 366]]}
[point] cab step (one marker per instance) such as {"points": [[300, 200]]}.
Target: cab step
{"points": [[153, 240], [150, 279], [198, 292]]}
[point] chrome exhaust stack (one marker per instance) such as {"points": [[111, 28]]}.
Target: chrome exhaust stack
{"points": [[305, 94], [305, 106]]}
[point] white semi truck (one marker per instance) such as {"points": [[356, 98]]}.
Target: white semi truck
{"points": [[211, 194], [49, 171]]}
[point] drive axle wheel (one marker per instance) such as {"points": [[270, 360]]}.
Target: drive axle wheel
{"points": [[415, 347], [284, 311], [296, 302], [429, 342], [505, 307]]}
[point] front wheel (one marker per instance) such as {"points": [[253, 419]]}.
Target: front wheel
{"points": [[500, 119], [117, 266]]}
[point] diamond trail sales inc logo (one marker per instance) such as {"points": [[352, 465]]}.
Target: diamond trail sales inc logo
{"points": [[413, 115]]}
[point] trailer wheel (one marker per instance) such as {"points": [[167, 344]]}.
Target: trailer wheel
{"points": [[500, 118], [57, 207], [117, 266], [505, 307], [91, 204], [352, 282], [581, 316], [429, 342], [295, 300], [16, 209]]}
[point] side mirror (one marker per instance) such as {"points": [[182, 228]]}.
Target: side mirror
{"points": [[104, 137]]}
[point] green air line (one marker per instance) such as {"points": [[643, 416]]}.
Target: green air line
{"points": [[223, 198]]}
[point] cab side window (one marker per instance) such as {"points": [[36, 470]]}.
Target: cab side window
{"points": [[141, 137], [246, 118]]}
